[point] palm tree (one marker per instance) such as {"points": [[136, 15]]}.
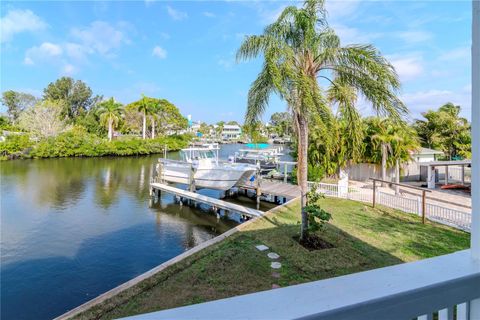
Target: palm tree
{"points": [[382, 139], [144, 108], [110, 113], [299, 49], [405, 142], [153, 109]]}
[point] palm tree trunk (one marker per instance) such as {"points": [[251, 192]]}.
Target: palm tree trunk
{"points": [[144, 125], [384, 164], [110, 129], [302, 171], [153, 128], [397, 176]]}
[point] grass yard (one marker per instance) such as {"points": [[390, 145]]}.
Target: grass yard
{"points": [[364, 238]]}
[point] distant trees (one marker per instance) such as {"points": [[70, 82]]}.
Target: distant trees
{"points": [[77, 95], [110, 113], [16, 102], [281, 123], [164, 116], [44, 119], [446, 130]]}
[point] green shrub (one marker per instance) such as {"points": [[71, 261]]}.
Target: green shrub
{"points": [[15, 146], [79, 143]]}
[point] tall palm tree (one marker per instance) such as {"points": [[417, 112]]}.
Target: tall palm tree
{"points": [[110, 113], [299, 49], [153, 109], [144, 108]]}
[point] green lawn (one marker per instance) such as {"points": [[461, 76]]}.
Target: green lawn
{"points": [[364, 238]]}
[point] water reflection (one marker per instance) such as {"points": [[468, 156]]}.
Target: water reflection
{"points": [[74, 228]]}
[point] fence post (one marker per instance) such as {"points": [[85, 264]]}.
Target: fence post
{"points": [[424, 206], [374, 191]]}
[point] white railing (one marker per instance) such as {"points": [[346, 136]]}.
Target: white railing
{"points": [[434, 212], [437, 287]]}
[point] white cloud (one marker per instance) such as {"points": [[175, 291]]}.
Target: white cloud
{"points": [[159, 52], [341, 8], [414, 36], [69, 69], [408, 67], [422, 101], [209, 14], [17, 21], [462, 53], [101, 37], [349, 35], [175, 14], [43, 53]]}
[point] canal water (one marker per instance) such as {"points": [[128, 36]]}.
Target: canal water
{"points": [[74, 228]]}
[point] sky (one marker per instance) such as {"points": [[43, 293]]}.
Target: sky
{"points": [[184, 51]]}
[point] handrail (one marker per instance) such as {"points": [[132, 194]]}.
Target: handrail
{"points": [[403, 291]]}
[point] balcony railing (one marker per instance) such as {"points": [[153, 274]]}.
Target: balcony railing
{"points": [[444, 286]]}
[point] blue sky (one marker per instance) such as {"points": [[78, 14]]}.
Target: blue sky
{"points": [[184, 51]]}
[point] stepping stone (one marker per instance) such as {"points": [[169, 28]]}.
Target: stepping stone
{"points": [[276, 275], [273, 255], [275, 286], [262, 247], [275, 265]]}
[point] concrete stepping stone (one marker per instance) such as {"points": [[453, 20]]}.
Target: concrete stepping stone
{"points": [[261, 247], [276, 275], [273, 255], [275, 286], [275, 265]]}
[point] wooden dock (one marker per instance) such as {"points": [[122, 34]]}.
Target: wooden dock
{"points": [[276, 188], [216, 203]]}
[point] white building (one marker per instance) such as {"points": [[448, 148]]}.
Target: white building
{"points": [[426, 155], [231, 132]]}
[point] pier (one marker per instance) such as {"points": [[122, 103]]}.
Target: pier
{"points": [[215, 203]]}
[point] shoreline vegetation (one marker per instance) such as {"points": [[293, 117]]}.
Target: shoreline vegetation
{"points": [[363, 238], [79, 143]]}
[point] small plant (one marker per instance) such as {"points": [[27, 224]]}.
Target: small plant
{"points": [[317, 217]]}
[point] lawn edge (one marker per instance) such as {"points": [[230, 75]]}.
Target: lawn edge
{"points": [[152, 272]]}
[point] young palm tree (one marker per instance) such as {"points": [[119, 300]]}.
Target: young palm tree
{"points": [[299, 49], [382, 139], [405, 143], [110, 113]]}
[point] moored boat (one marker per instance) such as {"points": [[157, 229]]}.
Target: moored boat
{"points": [[207, 171]]}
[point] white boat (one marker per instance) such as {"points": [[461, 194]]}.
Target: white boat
{"points": [[206, 169], [267, 158]]}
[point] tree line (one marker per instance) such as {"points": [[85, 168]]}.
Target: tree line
{"points": [[69, 105]]}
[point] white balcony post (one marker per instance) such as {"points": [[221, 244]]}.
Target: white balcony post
{"points": [[475, 229]]}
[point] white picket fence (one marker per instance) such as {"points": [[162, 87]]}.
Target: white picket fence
{"points": [[434, 212]]}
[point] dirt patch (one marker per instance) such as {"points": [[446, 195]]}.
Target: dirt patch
{"points": [[313, 242]]}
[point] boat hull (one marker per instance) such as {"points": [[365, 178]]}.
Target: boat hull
{"points": [[218, 178]]}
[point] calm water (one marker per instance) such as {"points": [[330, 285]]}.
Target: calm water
{"points": [[74, 228]]}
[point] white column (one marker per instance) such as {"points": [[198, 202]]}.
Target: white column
{"points": [[475, 229]]}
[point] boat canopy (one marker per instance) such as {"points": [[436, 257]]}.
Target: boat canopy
{"points": [[191, 154]]}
